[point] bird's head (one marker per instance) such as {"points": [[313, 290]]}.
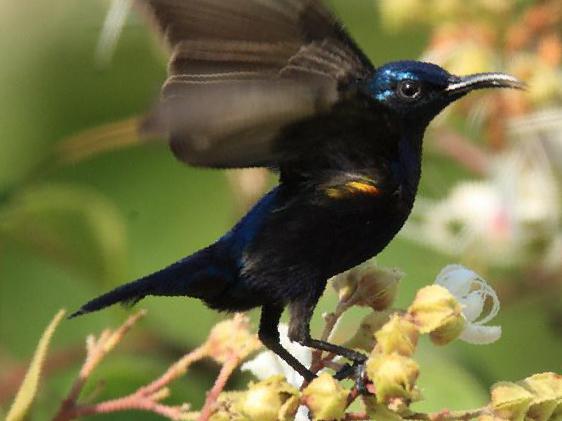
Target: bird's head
{"points": [[418, 91]]}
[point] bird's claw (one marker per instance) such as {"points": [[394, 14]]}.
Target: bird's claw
{"points": [[357, 373]]}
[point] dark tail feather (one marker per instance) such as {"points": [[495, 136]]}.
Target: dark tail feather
{"points": [[194, 276]]}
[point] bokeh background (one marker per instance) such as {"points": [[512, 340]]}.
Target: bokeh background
{"points": [[75, 222]]}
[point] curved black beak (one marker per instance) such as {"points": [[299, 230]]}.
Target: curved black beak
{"points": [[469, 83]]}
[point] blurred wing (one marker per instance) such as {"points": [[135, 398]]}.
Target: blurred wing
{"points": [[242, 70]]}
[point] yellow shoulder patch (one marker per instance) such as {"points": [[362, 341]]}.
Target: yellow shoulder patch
{"points": [[353, 188]]}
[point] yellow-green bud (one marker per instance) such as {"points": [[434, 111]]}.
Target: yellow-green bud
{"points": [[326, 398], [448, 332], [228, 407], [232, 337], [510, 401], [382, 413], [364, 338], [399, 335], [368, 285], [289, 409], [547, 391], [437, 312], [264, 401], [394, 376]]}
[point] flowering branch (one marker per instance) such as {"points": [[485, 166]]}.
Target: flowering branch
{"points": [[219, 346], [452, 308], [226, 371]]}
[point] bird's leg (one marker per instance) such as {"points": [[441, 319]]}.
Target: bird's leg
{"points": [[269, 336], [299, 331]]}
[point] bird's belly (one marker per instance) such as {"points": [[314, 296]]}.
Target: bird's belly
{"points": [[363, 236], [306, 249]]}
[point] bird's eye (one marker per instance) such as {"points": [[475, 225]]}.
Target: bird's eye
{"points": [[409, 90]]}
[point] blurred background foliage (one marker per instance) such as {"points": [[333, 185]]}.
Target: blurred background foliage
{"points": [[71, 228]]}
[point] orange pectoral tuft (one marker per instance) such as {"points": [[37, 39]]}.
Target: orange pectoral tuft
{"points": [[353, 188], [362, 187]]}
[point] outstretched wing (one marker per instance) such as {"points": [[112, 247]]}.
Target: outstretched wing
{"points": [[242, 70]]}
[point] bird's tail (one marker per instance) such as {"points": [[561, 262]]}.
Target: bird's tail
{"points": [[194, 276]]}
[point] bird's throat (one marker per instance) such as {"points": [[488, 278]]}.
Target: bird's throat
{"points": [[410, 158]]}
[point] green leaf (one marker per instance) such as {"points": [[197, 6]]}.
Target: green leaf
{"points": [[28, 388], [72, 225], [445, 384]]}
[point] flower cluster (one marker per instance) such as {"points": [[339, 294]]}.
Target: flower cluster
{"points": [[458, 305], [451, 308], [513, 216]]}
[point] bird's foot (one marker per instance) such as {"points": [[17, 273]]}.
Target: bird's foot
{"points": [[355, 372]]}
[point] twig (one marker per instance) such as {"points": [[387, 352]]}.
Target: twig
{"points": [[358, 416], [220, 383], [331, 320], [145, 398], [96, 352], [175, 371]]}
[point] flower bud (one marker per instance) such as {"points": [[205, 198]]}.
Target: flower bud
{"points": [[510, 401], [368, 285], [399, 336], [382, 413], [394, 377], [437, 312], [232, 337], [326, 398], [266, 400], [228, 407], [547, 391], [364, 338]]}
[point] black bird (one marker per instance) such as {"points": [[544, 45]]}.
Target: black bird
{"points": [[280, 84]]}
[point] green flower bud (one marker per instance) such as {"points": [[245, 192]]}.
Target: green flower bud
{"points": [[265, 401], [510, 401], [228, 407], [437, 312], [394, 377], [364, 338], [448, 332], [232, 337], [547, 391], [326, 398], [382, 413], [399, 336]]}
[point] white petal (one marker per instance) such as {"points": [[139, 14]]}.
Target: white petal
{"points": [[489, 292], [480, 335], [264, 365], [473, 305], [457, 279], [302, 414]]}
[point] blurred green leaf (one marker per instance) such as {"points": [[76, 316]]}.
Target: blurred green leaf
{"points": [[28, 389], [73, 225], [445, 384]]}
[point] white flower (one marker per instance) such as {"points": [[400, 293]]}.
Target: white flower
{"points": [[267, 364], [472, 292], [500, 220]]}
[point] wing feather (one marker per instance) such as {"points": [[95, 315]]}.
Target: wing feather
{"points": [[241, 70]]}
